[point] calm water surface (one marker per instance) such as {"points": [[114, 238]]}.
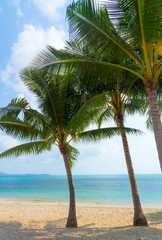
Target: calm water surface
{"points": [[112, 189]]}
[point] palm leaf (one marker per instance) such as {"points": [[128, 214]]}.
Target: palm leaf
{"points": [[30, 124], [27, 148], [136, 105], [149, 11], [19, 129], [49, 93], [103, 133], [72, 155], [88, 21], [105, 116], [69, 60], [89, 112]]}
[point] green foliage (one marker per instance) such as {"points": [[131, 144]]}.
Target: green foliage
{"points": [[27, 148], [87, 21], [62, 116], [99, 45], [150, 10], [59, 120], [72, 155], [92, 63], [14, 120], [102, 133], [58, 102]]}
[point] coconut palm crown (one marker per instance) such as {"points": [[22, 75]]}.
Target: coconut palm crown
{"points": [[133, 27]]}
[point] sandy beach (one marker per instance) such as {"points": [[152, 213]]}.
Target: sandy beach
{"points": [[36, 220]]}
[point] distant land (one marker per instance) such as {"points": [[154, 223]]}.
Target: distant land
{"points": [[27, 174]]}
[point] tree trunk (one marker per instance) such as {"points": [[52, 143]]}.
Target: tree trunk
{"points": [[139, 218], [72, 220], [156, 121]]}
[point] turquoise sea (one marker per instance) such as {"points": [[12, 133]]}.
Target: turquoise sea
{"points": [[109, 189]]}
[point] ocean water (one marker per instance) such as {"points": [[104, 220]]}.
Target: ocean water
{"points": [[108, 189]]}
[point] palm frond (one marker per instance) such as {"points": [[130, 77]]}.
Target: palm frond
{"points": [[19, 120], [105, 116], [18, 128], [50, 94], [103, 133], [87, 21], [150, 11], [89, 112], [149, 123], [69, 61], [136, 105], [72, 155], [27, 148], [10, 112]]}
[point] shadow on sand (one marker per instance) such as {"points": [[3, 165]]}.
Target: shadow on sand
{"points": [[154, 218], [55, 230]]}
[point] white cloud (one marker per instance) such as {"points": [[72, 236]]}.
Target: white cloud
{"points": [[29, 42], [19, 11], [107, 156], [48, 161], [50, 7], [100, 158], [7, 142], [101, 148]]}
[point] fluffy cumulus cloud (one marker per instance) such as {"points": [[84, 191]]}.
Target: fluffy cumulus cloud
{"points": [[29, 43], [50, 8]]}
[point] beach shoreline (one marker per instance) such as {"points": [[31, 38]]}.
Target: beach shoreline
{"points": [[37, 219], [79, 203]]}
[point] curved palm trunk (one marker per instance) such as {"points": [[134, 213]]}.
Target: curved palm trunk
{"points": [[72, 220], [155, 114], [139, 218]]}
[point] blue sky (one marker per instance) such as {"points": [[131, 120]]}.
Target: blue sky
{"points": [[26, 27]]}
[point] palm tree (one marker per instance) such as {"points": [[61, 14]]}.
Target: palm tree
{"points": [[48, 127], [56, 123], [118, 103], [136, 33], [121, 98]]}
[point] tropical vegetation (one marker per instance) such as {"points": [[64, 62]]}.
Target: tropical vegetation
{"points": [[109, 68], [133, 28], [56, 122], [116, 102]]}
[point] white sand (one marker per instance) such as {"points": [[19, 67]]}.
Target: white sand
{"points": [[36, 220]]}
